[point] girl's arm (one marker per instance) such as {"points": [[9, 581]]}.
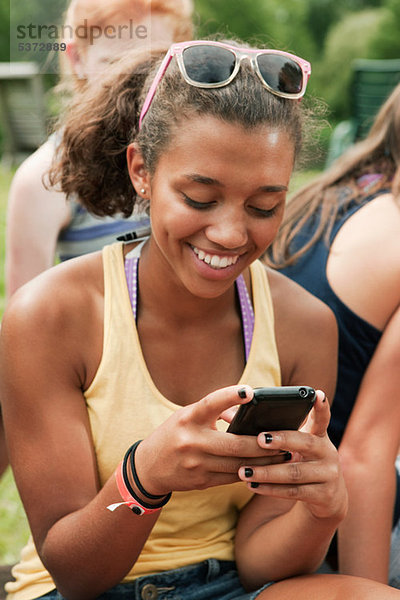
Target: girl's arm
{"points": [[51, 346], [368, 453], [35, 217], [308, 492], [47, 330]]}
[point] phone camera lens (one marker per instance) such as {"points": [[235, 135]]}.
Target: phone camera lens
{"points": [[303, 393]]}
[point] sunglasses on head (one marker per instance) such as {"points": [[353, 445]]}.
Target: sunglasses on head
{"points": [[208, 64]]}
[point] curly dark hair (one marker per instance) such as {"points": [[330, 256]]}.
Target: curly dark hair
{"points": [[103, 121]]}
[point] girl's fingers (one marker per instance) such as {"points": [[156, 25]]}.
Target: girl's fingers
{"points": [[233, 465], [208, 410], [319, 417], [291, 473], [310, 447], [310, 493], [227, 415]]}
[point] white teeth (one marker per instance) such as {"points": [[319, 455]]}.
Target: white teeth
{"points": [[215, 261]]}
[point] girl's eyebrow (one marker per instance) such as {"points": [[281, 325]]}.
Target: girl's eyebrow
{"points": [[196, 178], [273, 188]]}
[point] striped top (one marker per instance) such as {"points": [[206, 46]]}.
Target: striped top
{"points": [[88, 233]]}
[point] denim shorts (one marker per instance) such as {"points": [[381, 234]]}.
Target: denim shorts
{"points": [[208, 580]]}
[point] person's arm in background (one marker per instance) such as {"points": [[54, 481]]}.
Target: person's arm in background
{"points": [[368, 452], [34, 220]]}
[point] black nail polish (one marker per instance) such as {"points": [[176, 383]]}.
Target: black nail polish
{"points": [[268, 438], [288, 456], [325, 398], [242, 393], [248, 472], [254, 484]]}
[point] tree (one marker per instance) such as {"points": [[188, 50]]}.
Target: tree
{"points": [[386, 41], [347, 40]]}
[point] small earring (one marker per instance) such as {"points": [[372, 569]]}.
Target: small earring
{"points": [[142, 191]]}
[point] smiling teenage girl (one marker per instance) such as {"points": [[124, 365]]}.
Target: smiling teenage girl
{"points": [[131, 345]]}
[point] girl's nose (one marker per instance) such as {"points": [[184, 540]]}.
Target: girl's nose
{"points": [[229, 230]]}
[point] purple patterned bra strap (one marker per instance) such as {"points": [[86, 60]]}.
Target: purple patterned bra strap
{"points": [[246, 307], [247, 311], [131, 274]]}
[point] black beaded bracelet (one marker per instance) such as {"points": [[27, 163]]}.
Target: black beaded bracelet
{"points": [[165, 498]]}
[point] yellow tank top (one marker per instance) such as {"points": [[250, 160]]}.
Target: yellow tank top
{"points": [[124, 405]]}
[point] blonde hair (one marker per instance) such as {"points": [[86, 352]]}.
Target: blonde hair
{"points": [[100, 13]]}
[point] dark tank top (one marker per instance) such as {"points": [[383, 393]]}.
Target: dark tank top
{"points": [[358, 339]]}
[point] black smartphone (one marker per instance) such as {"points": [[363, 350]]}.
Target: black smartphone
{"points": [[273, 409]]}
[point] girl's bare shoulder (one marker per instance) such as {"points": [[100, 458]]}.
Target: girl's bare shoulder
{"points": [[60, 300]]}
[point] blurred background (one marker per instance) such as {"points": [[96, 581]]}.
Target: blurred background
{"points": [[354, 48]]}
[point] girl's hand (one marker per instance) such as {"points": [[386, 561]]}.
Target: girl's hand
{"points": [[313, 474], [187, 451]]}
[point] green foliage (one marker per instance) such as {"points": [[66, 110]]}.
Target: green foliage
{"points": [[5, 181], [347, 40], [242, 18], [386, 41], [13, 523], [275, 23], [4, 31]]}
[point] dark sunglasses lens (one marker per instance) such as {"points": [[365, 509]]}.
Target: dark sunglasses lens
{"points": [[208, 64], [281, 73]]}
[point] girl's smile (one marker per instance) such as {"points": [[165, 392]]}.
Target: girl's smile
{"points": [[215, 261]]}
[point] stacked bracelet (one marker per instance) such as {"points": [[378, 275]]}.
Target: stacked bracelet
{"points": [[131, 499], [132, 452]]}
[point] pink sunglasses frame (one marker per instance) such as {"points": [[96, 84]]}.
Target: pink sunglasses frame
{"points": [[240, 53]]}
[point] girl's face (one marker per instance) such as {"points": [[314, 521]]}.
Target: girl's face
{"points": [[216, 200]]}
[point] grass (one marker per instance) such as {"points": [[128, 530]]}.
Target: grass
{"points": [[5, 180], [13, 524]]}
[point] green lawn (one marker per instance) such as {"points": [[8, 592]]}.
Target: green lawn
{"points": [[5, 180], [13, 524]]}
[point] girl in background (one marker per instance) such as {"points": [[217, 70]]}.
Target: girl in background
{"points": [[340, 240]]}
